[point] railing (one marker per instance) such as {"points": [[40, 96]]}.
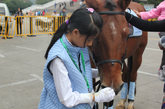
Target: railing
{"points": [[29, 25]]}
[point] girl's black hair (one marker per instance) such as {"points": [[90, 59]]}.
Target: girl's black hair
{"points": [[88, 23]]}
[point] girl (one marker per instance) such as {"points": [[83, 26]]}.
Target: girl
{"points": [[158, 12], [152, 26], [67, 73]]}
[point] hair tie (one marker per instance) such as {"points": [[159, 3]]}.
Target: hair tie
{"points": [[90, 10], [67, 21]]}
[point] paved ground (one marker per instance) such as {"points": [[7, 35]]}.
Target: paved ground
{"points": [[21, 66]]}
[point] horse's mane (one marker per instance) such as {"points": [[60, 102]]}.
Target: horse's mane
{"points": [[123, 4], [110, 5]]}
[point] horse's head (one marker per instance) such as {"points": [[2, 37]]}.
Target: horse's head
{"points": [[109, 48], [100, 5]]}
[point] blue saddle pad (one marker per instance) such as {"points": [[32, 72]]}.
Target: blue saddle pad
{"points": [[134, 32]]}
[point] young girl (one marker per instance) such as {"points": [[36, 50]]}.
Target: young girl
{"points": [[67, 73], [157, 26], [159, 13]]}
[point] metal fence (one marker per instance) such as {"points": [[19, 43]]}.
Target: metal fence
{"points": [[11, 26]]}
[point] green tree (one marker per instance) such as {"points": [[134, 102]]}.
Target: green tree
{"points": [[42, 1], [15, 4], [155, 2]]}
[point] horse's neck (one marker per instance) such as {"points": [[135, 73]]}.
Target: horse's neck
{"points": [[136, 6]]}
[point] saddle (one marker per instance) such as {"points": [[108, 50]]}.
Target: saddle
{"points": [[134, 32]]}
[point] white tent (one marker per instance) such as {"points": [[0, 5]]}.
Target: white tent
{"points": [[44, 6]]}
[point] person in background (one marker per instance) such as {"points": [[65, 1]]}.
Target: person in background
{"points": [[67, 74], [36, 13], [39, 13], [55, 13], [83, 4], [71, 3], [30, 13], [154, 26], [43, 13], [19, 15], [65, 5], [55, 4], [63, 12]]}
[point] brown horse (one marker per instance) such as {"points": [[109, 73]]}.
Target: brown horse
{"points": [[112, 46]]}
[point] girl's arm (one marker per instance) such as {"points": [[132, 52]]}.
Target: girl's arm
{"points": [[157, 26], [66, 95], [154, 13]]}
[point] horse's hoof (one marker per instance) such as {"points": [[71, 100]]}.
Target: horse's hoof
{"points": [[121, 105], [130, 106]]}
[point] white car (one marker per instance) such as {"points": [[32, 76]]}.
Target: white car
{"points": [[4, 11]]}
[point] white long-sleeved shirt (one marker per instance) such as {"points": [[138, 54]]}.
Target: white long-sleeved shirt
{"points": [[66, 95]]}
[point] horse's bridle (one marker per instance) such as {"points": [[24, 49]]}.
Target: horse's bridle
{"points": [[112, 61], [111, 13]]}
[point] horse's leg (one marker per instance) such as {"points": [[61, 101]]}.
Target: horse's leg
{"points": [[129, 78], [137, 59], [105, 107], [108, 105], [124, 90]]}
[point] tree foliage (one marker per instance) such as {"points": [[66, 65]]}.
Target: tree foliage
{"points": [[155, 2], [42, 1], [15, 4]]}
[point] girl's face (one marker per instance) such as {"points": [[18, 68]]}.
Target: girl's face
{"points": [[80, 40], [89, 41]]}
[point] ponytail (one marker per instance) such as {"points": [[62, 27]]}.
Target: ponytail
{"points": [[61, 30]]}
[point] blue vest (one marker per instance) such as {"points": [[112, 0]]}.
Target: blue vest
{"points": [[49, 98]]}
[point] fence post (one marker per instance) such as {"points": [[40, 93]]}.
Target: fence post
{"points": [[31, 27], [6, 27], [59, 21], [63, 19], [54, 24]]}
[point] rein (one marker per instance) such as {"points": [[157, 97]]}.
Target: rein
{"points": [[111, 13]]}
